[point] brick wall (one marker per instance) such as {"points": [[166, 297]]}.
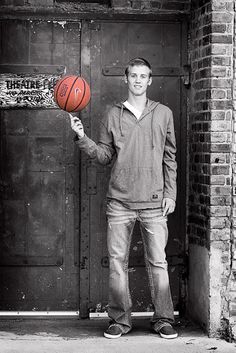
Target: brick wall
{"points": [[171, 5], [145, 6], [210, 175], [212, 135], [232, 304]]}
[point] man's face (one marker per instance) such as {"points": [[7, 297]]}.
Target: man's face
{"points": [[138, 79]]}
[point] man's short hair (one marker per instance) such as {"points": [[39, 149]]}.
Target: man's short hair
{"points": [[138, 62]]}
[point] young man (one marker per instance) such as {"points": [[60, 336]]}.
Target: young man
{"points": [[139, 135]]}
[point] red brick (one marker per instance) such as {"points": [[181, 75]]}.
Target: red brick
{"points": [[218, 115], [40, 2], [217, 158], [220, 49], [227, 39], [219, 211], [220, 234], [220, 169], [220, 147], [223, 83], [120, 3], [13, 2], [219, 222], [221, 60], [219, 125], [220, 137], [218, 94], [220, 104], [217, 180], [222, 17], [218, 28], [220, 200]]}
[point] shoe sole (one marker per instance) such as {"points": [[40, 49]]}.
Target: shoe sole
{"points": [[175, 335], [107, 335]]}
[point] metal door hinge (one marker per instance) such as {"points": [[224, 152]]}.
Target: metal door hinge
{"points": [[185, 75]]}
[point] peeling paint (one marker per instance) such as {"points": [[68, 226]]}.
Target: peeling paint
{"points": [[61, 23]]}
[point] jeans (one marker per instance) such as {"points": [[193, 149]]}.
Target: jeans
{"points": [[153, 226]]}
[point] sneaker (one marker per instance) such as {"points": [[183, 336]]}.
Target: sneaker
{"points": [[113, 331], [166, 330]]}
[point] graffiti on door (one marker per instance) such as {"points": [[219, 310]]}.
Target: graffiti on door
{"points": [[28, 91]]}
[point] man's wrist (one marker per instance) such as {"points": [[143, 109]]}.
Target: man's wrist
{"points": [[78, 138]]}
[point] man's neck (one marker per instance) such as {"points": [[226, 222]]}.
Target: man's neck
{"points": [[139, 102]]}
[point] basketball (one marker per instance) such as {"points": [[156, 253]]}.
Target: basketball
{"points": [[72, 93]]}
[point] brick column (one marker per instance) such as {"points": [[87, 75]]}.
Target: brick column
{"points": [[210, 197], [232, 303]]}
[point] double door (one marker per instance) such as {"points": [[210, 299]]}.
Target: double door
{"points": [[53, 198]]}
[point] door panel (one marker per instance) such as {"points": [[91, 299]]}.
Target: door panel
{"points": [[38, 268], [111, 46]]}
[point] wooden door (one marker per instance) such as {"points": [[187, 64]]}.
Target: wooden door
{"points": [[38, 271], [39, 261], [110, 46]]}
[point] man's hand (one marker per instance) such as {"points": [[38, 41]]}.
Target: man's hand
{"points": [[168, 206], [77, 126]]}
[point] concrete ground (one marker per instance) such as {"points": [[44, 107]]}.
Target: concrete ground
{"points": [[86, 336]]}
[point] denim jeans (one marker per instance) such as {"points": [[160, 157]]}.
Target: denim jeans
{"points": [[154, 233]]}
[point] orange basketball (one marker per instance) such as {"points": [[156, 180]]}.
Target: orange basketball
{"points": [[72, 93]]}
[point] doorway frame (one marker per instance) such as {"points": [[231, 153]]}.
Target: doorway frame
{"points": [[86, 26]]}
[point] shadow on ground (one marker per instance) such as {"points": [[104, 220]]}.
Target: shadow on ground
{"points": [[71, 335], [78, 329]]}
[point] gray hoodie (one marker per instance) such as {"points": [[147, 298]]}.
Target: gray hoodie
{"points": [[144, 170]]}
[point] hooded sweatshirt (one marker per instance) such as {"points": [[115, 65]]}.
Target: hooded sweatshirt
{"points": [[143, 150]]}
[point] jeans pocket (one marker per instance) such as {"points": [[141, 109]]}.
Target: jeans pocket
{"points": [[114, 207]]}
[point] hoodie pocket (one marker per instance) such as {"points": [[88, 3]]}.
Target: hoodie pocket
{"points": [[137, 185]]}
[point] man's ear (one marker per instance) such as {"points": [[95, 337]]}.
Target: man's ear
{"points": [[125, 79], [150, 81]]}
